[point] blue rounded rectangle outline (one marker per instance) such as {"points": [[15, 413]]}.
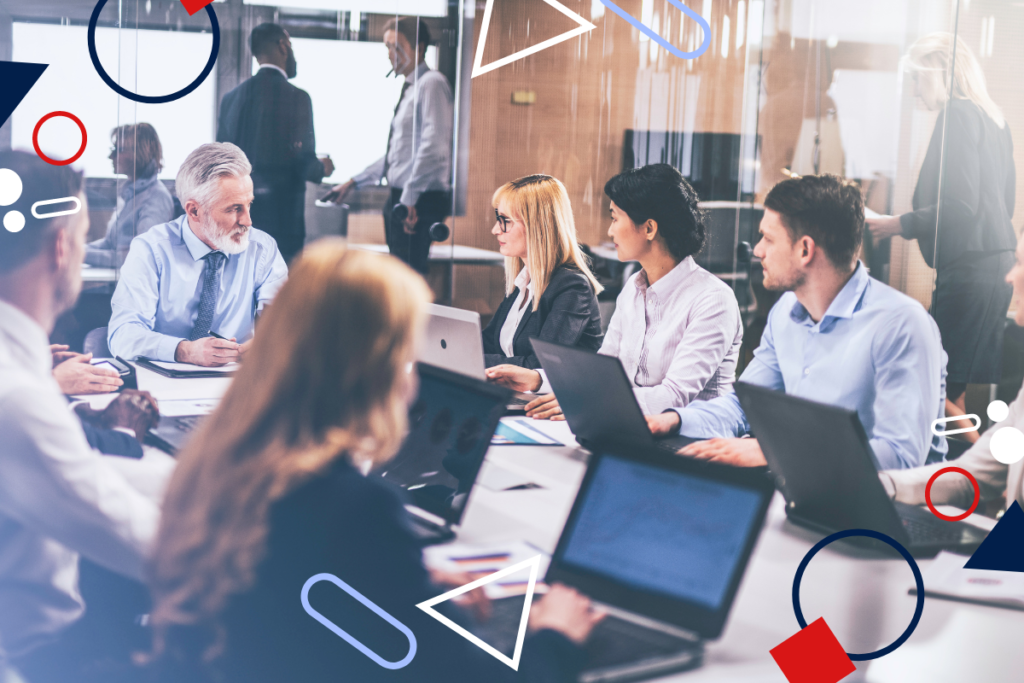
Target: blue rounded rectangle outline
{"points": [[336, 630], [646, 30]]}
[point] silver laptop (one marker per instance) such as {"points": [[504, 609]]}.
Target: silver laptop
{"points": [[453, 342]]}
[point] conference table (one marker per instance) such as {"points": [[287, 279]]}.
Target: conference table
{"points": [[862, 594]]}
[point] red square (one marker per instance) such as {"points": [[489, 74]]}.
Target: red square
{"points": [[813, 655], [193, 6]]}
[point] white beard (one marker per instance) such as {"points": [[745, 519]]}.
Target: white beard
{"points": [[224, 242]]}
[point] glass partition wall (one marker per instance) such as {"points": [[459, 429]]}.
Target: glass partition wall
{"points": [[769, 89]]}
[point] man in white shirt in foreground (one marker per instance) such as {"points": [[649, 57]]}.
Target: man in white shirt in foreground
{"points": [[58, 498]]}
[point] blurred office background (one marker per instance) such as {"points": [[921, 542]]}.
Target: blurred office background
{"points": [[785, 87]]}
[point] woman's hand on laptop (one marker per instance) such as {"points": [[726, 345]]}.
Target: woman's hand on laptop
{"points": [[737, 452], [566, 611], [544, 407], [514, 377], [475, 601]]}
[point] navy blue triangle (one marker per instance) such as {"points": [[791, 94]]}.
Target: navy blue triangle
{"points": [[1003, 548], [17, 79]]}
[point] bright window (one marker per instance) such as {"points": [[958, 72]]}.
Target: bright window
{"points": [[144, 61]]}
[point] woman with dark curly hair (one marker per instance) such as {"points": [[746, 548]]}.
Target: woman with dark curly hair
{"points": [[677, 327]]}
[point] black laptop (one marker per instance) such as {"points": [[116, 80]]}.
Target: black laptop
{"points": [[823, 464], [660, 542], [597, 398], [450, 428]]}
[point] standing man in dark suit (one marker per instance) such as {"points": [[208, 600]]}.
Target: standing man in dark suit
{"points": [[418, 161], [272, 121]]}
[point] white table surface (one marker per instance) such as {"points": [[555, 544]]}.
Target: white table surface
{"points": [[862, 597], [90, 274]]}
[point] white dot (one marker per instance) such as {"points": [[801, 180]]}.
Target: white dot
{"points": [[1007, 445], [998, 411], [10, 187], [14, 221]]}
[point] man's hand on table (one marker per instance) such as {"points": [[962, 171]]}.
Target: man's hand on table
{"points": [[737, 452], [77, 375], [134, 410], [209, 352], [663, 424]]}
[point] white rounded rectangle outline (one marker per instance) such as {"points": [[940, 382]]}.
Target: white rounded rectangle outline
{"points": [[956, 418], [55, 214], [336, 630]]}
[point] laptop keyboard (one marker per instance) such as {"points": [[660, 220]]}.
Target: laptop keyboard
{"points": [[928, 532], [613, 642]]}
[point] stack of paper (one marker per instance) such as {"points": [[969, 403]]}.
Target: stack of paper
{"points": [[946, 578], [481, 560]]}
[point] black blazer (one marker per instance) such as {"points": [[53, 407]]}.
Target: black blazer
{"points": [[355, 528], [272, 121], [567, 315], [978, 189]]}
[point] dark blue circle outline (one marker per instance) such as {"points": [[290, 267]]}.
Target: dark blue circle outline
{"points": [[151, 99], [918, 580]]}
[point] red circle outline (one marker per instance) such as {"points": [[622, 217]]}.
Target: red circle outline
{"points": [[928, 494], [35, 138]]}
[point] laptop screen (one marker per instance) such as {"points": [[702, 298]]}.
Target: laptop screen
{"points": [[450, 428], [658, 530]]}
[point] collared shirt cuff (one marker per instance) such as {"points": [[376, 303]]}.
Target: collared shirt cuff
{"points": [[124, 430], [677, 411], [689, 425], [166, 348], [545, 388], [410, 197]]}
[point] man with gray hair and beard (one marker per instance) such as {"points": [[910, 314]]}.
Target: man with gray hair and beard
{"points": [[190, 290]]}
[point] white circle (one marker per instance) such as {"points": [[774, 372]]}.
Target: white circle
{"points": [[1007, 445], [998, 411], [14, 221], [10, 187]]}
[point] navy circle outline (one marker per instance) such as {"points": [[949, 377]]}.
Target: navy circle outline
{"points": [[151, 99], [918, 610]]}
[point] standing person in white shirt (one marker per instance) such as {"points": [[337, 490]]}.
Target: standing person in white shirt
{"points": [[994, 476], [58, 497], [417, 161], [676, 327]]}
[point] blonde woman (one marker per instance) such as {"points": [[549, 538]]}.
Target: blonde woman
{"points": [[963, 228], [270, 492], [550, 292]]}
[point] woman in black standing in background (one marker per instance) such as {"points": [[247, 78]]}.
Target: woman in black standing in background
{"points": [[964, 230]]}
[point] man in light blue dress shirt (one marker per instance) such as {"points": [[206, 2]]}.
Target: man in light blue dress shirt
{"points": [[204, 274], [836, 336]]}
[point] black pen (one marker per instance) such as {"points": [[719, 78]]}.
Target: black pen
{"points": [[217, 336]]}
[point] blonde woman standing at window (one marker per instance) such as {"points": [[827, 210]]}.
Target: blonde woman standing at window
{"points": [[963, 228], [551, 293]]}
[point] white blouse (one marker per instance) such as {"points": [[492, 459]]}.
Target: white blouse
{"points": [[507, 335]]}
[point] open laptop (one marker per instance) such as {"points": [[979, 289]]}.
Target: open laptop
{"points": [[171, 433], [825, 468], [450, 428], [597, 398], [453, 341], [661, 543]]}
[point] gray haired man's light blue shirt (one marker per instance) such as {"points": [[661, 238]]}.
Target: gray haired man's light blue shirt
{"points": [[157, 298]]}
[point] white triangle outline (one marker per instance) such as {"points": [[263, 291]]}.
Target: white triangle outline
{"points": [[584, 27], [428, 607]]}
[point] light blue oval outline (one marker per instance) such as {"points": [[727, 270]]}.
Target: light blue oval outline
{"points": [[637, 24], [333, 628]]}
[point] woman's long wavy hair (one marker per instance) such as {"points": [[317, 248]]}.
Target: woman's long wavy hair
{"points": [[327, 377], [542, 203], [931, 58]]}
